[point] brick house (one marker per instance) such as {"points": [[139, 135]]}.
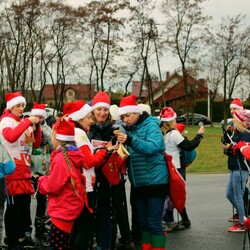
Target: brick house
{"points": [[173, 89], [72, 92]]}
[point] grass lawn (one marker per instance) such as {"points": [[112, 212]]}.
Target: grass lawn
{"points": [[210, 157]]}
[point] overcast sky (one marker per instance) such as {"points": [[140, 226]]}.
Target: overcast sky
{"points": [[214, 8]]}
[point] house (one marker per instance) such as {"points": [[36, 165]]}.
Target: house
{"points": [[172, 90], [72, 92]]}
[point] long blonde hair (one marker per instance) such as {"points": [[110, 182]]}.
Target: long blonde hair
{"points": [[241, 126], [66, 157], [167, 126]]}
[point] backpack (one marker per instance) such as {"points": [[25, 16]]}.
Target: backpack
{"points": [[187, 157]]}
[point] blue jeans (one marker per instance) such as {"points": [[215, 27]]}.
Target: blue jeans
{"points": [[150, 214], [235, 191]]}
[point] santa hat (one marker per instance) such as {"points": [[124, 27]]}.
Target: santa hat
{"points": [[76, 110], [128, 105], [145, 107], [12, 99], [65, 130], [180, 127], [236, 103], [101, 99], [242, 115], [38, 109], [167, 114]]}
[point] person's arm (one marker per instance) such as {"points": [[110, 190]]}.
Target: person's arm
{"points": [[12, 134], [93, 160], [190, 145]]}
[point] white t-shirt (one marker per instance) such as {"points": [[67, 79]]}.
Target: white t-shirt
{"points": [[172, 139]]}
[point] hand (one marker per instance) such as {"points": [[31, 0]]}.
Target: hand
{"points": [[226, 146], [201, 130], [121, 137], [34, 119]]}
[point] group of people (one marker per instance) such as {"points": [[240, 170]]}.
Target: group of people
{"points": [[63, 166], [235, 144]]}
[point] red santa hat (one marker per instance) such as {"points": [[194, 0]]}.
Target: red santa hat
{"points": [[12, 99], [128, 105], [39, 109], [65, 130], [167, 114], [101, 99], [242, 115], [236, 103], [76, 110]]}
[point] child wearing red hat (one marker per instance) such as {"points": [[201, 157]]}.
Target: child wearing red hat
{"points": [[64, 185], [18, 137]]}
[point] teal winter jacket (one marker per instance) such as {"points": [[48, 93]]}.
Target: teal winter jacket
{"points": [[146, 164]]}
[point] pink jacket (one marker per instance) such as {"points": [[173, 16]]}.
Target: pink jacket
{"points": [[64, 203]]}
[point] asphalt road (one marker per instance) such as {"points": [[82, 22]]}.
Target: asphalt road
{"points": [[209, 211]]}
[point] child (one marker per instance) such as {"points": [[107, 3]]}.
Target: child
{"points": [[7, 166], [63, 185]]}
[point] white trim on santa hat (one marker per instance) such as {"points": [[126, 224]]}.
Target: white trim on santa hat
{"points": [[81, 113], [14, 101], [233, 105], [168, 119], [65, 137], [40, 112], [101, 104], [129, 109]]}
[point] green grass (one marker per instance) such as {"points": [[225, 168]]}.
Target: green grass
{"points": [[210, 157]]}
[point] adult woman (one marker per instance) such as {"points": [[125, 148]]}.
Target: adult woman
{"points": [[101, 132], [146, 168], [238, 169], [80, 113], [18, 138], [174, 142]]}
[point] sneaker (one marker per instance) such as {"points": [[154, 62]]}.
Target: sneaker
{"points": [[28, 243], [185, 223], [234, 218], [237, 228]]}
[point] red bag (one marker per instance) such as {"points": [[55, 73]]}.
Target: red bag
{"points": [[177, 186], [115, 165]]}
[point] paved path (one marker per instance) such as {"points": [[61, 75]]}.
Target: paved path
{"points": [[208, 210]]}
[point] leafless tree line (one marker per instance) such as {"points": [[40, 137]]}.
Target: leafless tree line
{"points": [[110, 42]]}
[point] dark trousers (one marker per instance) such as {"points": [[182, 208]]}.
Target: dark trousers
{"points": [[83, 229], [135, 225], [122, 212], [17, 216]]}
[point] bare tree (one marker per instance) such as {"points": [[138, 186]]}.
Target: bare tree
{"points": [[186, 29], [232, 49]]}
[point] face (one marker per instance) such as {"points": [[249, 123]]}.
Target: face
{"points": [[41, 118], [233, 110], [18, 109], [101, 114], [129, 118], [86, 122]]}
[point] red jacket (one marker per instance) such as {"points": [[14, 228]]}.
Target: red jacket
{"points": [[64, 203]]}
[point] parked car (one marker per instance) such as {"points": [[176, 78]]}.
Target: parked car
{"points": [[197, 119]]}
